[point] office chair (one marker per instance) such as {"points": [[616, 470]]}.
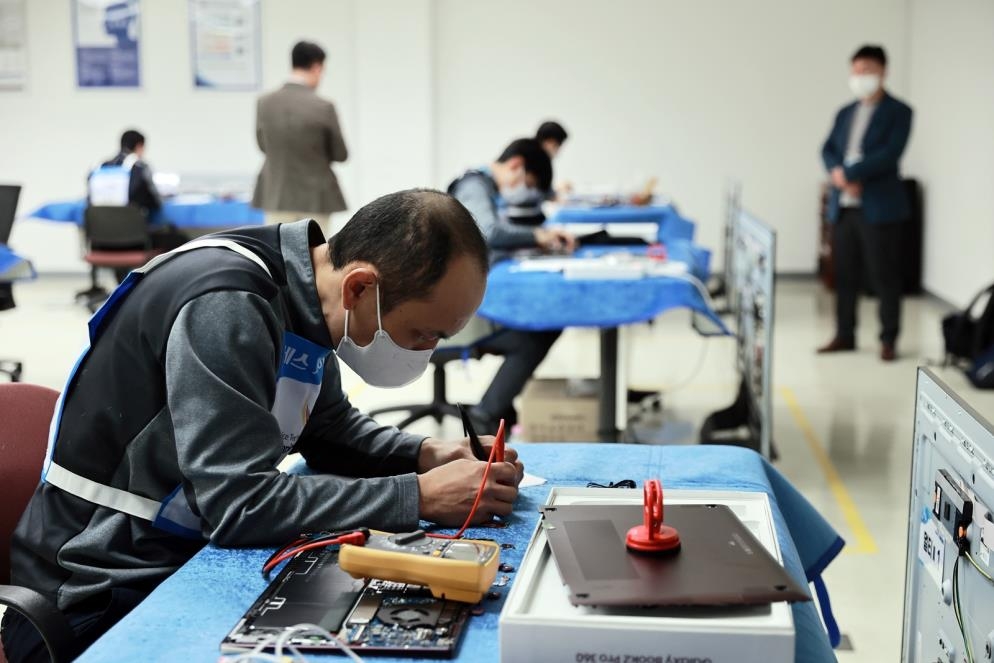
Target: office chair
{"points": [[117, 238], [26, 411], [470, 343], [9, 194]]}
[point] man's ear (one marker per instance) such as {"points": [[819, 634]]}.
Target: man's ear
{"points": [[358, 283]]}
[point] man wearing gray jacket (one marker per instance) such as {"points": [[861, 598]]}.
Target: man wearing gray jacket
{"points": [[521, 172], [300, 135], [209, 365]]}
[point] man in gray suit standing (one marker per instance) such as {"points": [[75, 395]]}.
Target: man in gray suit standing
{"points": [[298, 131]]}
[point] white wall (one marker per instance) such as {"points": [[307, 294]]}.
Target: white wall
{"points": [[53, 132], [952, 90], [690, 92]]}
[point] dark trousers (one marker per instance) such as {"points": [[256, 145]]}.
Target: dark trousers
{"points": [[89, 620], [523, 351], [873, 250]]}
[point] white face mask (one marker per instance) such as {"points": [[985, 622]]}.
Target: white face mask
{"points": [[864, 85], [382, 363]]}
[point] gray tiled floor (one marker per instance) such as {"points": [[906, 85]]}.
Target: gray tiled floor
{"points": [[843, 424]]}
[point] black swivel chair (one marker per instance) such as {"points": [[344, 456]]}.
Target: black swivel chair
{"points": [[9, 194], [116, 238], [470, 343]]}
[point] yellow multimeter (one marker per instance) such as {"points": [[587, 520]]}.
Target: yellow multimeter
{"points": [[454, 569]]}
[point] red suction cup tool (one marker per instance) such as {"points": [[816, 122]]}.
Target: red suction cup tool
{"points": [[653, 536]]}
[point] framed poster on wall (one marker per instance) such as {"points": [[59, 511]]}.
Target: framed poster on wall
{"points": [[13, 45], [225, 42], [107, 36]]}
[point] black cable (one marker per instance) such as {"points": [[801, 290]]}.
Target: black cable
{"points": [[624, 483]]}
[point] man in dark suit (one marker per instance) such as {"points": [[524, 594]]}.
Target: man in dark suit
{"points": [[300, 135], [868, 203]]}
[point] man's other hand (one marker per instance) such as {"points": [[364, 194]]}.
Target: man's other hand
{"points": [[839, 178], [435, 453], [448, 491], [555, 240]]}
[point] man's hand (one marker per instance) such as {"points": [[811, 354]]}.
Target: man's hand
{"points": [[839, 178], [435, 453], [555, 240], [448, 492], [854, 189]]}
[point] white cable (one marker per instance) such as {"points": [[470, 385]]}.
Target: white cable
{"points": [[697, 283], [698, 365], [278, 643], [305, 629]]}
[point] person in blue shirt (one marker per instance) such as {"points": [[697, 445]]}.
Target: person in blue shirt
{"points": [[868, 203], [141, 192], [523, 170]]}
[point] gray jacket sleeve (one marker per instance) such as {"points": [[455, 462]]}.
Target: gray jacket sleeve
{"points": [[499, 232], [220, 382], [341, 440]]}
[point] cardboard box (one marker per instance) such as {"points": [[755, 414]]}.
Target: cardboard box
{"points": [[554, 411]]}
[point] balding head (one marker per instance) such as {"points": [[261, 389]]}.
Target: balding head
{"points": [[412, 238]]}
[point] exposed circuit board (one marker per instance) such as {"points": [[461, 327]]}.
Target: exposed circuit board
{"points": [[372, 617]]}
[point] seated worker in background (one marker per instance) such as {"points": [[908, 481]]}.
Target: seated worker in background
{"points": [[551, 136], [523, 167], [213, 367], [127, 180], [524, 207]]}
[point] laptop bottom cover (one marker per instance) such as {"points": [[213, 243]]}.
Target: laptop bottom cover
{"points": [[720, 563]]}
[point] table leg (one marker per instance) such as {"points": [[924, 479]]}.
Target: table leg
{"points": [[607, 429]]}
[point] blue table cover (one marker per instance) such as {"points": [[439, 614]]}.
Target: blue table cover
{"points": [[189, 614], [671, 224], [218, 213], [536, 301], [14, 267]]}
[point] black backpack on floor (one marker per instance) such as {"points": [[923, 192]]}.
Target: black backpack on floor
{"points": [[970, 340]]}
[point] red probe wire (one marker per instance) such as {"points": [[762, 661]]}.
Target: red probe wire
{"points": [[358, 538], [496, 453], [355, 538]]}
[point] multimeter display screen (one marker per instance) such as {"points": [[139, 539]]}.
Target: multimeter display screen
{"points": [[469, 552]]}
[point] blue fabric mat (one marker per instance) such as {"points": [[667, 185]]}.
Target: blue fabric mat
{"points": [[186, 618], [13, 267], [537, 301], [217, 213], [671, 224]]}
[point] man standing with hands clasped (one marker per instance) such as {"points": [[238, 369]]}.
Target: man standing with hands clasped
{"points": [[867, 203]]}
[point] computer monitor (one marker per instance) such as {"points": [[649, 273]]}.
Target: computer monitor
{"points": [[753, 268], [9, 193], [949, 576], [753, 273]]}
